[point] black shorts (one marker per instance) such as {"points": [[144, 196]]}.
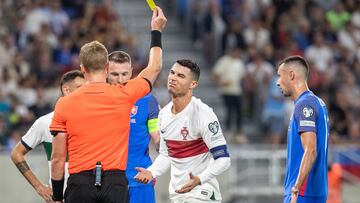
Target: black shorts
{"points": [[81, 189]]}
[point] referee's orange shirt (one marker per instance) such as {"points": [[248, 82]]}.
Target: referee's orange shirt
{"points": [[96, 118]]}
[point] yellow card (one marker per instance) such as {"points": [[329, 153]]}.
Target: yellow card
{"points": [[151, 4]]}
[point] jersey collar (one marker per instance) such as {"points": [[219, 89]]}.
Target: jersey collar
{"points": [[302, 94]]}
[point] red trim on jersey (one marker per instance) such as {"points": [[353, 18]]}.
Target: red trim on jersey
{"points": [[183, 149], [303, 187]]}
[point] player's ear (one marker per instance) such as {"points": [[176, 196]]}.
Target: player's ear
{"points": [[194, 84], [66, 90], [292, 75], [107, 68], [82, 69]]}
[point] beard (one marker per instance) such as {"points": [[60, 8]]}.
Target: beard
{"points": [[286, 94]]}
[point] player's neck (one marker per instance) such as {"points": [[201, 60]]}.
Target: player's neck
{"points": [[95, 77], [180, 103], [299, 89]]}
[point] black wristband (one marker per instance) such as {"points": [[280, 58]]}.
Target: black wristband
{"points": [[58, 187], [155, 39]]}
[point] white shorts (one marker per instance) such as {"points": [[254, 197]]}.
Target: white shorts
{"points": [[190, 200]]}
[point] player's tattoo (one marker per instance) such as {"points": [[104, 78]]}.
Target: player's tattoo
{"points": [[22, 166]]}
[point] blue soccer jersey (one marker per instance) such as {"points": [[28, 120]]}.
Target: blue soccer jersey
{"points": [[145, 109], [310, 115]]}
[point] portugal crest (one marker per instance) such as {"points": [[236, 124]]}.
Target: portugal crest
{"points": [[184, 132]]}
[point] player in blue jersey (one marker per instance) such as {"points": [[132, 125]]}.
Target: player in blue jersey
{"points": [[143, 125], [307, 140]]}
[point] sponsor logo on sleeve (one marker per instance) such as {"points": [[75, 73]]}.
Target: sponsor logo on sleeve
{"points": [[304, 123]]}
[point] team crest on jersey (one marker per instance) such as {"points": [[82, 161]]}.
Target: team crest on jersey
{"points": [[214, 127], [134, 110], [184, 133], [307, 112]]}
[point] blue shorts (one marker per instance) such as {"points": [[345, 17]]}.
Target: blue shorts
{"points": [[302, 199], [142, 194]]}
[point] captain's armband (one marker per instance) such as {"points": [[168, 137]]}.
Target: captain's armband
{"points": [[220, 151]]}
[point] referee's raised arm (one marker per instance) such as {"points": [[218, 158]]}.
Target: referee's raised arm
{"points": [[154, 67]]}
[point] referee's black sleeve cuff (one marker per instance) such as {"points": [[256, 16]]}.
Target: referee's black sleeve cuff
{"points": [[55, 132], [25, 145], [150, 85]]}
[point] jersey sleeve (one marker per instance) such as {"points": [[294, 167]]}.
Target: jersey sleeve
{"points": [[35, 135], [305, 116], [152, 122], [58, 123], [137, 88], [212, 134], [210, 129]]}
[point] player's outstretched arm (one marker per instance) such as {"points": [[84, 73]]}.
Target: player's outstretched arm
{"points": [[18, 157], [143, 175], [154, 67]]}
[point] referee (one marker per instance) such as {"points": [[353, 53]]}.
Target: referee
{"points": [[92, 126]]}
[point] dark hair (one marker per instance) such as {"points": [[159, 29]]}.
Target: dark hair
{"points": [[68, 77], [299, 61], [119, 57], [194, 68], [93, 56]]}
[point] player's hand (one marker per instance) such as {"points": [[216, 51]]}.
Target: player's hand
{"points": [[193, 182], [45, 192], [294, 195], [158, 20], [143, 176]]}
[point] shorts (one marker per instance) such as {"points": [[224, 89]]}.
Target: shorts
{"points": [[190, 200], [81, 189], [302, 199], [142, 194]]}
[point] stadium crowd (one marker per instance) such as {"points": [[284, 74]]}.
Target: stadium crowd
{"points": [[40, 40], [252, 36]]}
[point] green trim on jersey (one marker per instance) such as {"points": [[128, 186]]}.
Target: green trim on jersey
{"points": [[48, 150], [213, 196]]}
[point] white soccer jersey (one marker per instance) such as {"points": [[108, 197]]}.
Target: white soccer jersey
{"points": [[186, 139], [39, 133]]}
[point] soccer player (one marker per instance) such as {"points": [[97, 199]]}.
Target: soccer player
{"points": [[306, 177], [39, 134], [143, 122], [93, 124], [191, 141]]}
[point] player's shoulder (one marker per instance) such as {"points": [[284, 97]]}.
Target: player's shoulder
{"points": [[308, 99], [45, 119], [308, 103], [148, 97], [166, 109], [200, 107]]}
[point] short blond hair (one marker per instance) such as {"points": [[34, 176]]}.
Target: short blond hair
{"points": [[93, 56]]}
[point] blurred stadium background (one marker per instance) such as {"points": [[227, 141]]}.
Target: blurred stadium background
{"points": [[39, 40]]}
